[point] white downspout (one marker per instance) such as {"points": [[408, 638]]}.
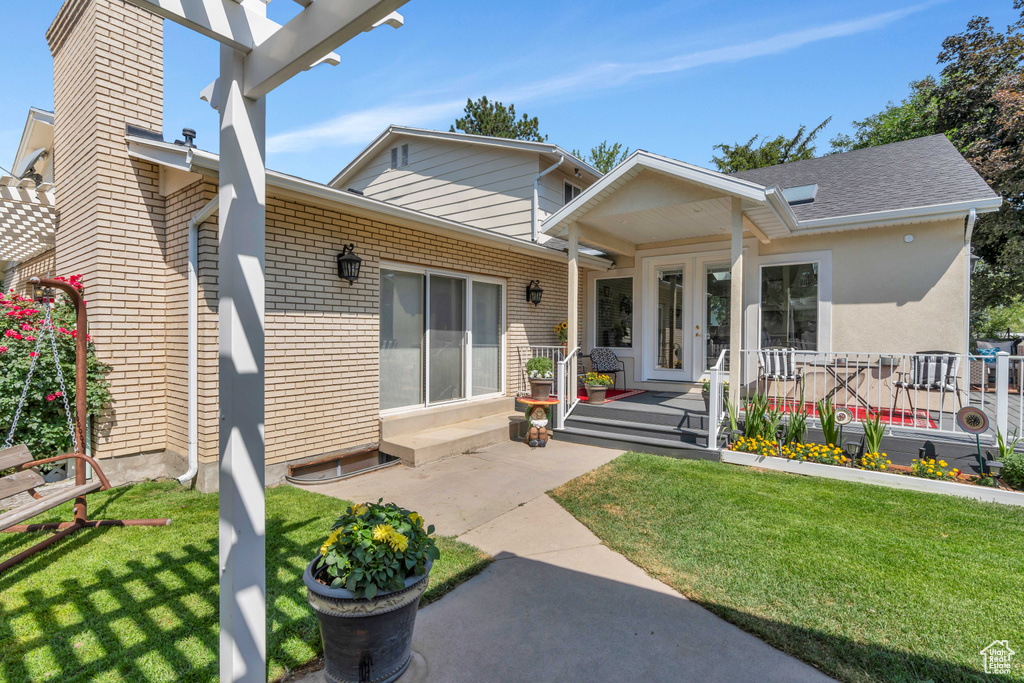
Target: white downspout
{"points": [[535, 223], [972, 217], [193, 337]]}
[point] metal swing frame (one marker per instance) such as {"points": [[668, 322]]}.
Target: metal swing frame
{"points": [[81, 519]]}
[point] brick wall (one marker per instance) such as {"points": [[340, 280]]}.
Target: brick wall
{"points": [[108, 71], [42, 265], [322, 333]]}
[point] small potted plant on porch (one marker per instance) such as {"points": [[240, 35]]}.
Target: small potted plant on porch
{"points": [[365, 586], [705, 393], [597, 386], [541, 373], [562, 331]]}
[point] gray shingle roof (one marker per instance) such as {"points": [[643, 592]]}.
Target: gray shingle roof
{"points": [[920, 172]]}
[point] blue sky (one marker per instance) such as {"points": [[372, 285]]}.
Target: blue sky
{"points": [[671, 77]]}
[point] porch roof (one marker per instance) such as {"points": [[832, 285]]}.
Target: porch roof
{"points": [[650, 198]]}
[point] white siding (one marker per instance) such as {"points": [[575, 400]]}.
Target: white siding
{"points": [[481, 186]]}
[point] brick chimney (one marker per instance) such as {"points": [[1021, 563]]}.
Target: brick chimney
{"points": [[107, 73]]}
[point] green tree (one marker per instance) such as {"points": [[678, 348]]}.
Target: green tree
{"points": [[914, 117], [495, 120], [779, 150], [604, 157]]}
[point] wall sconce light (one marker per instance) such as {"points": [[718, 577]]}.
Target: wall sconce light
{"points": [[534, 292], [349, 264]]}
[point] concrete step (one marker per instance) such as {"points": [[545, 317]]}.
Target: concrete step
{"points": [[628, 428], [417, 421], [427, 445], [640, 444]]}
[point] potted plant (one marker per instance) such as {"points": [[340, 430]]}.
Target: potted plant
{"points": [[541, 373], [365, 586], [705, 392], [597, 386], [562, 332]]}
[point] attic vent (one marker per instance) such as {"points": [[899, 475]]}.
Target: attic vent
{"points": [[400, 156], [802, 194]]}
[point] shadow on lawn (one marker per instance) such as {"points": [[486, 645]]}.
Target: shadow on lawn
{"points": [[853, 660], [151, 596]]}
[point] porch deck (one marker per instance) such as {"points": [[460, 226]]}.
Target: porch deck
{"points": [[676, 424]]}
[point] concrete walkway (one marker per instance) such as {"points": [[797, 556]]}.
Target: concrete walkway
{"points": [[555, 605]]}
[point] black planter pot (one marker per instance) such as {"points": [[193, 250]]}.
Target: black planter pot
{"points": [[365, 640]]}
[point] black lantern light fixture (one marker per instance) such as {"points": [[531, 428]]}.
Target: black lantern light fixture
{"points": [[534, 292], [349, 264]]}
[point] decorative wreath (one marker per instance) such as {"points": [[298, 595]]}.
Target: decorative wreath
{"points": [[844, 416], [972, 420]]}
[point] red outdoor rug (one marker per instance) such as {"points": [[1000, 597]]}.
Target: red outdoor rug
{"points": [[900, 418], [612, 395]]}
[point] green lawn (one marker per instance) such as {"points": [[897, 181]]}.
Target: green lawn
{"points": [[140, 604], [865, 583]]}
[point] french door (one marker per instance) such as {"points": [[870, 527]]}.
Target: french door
{"points": [[667, 319], [686, 314], [441, 337]]}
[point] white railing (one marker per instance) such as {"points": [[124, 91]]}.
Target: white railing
{"points": [[555, 353], [566, 388], [909, 392], [716, 413]]}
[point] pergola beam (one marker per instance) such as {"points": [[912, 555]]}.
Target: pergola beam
{"points": [[223, 20], [226, 21], [316, 30]]}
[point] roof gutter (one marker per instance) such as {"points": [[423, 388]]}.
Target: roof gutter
{"points": [[535, 217], [916, 214]]}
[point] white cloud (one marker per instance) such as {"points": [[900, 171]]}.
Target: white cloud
{"points": [[358, 127]]}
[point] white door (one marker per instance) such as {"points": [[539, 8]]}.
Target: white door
{"points": [[668, 318]]}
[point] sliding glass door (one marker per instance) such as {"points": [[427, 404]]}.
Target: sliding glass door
{"points": [[401, 339], [446, 335], [441, 337], [486, 371]]}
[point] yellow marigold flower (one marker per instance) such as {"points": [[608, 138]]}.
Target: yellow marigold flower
{"points": [[416, 519], [382, 532], [397, 541], [331, 538]]}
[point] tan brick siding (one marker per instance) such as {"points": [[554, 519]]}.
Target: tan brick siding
{"points": [[43, 265], [108, 71], [322, 333]]}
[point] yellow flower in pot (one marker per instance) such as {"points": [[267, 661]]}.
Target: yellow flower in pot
{"points": [[597, 386]]}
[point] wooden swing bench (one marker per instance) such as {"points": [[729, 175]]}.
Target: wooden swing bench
{"points": [[26, 479]]}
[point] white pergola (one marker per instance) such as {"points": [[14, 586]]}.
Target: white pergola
{"points": [[256, 56]]}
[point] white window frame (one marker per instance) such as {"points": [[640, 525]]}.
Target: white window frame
{"points": [[469, 278], [824, 261], [578, 188], [595, 281]]}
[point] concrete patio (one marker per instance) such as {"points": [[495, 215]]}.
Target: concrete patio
{"points": [[556, 605]]}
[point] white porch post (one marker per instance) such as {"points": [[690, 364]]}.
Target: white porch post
{"points": [[736, 302], [574, 290], [240, 278]]}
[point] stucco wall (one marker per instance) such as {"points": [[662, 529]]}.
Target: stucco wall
{"points": [[890, 295]]}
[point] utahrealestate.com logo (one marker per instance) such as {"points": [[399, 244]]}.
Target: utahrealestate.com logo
{"points": [[997, 657]]}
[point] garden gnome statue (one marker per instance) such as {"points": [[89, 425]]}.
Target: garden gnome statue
{"points": [[538, 427]]}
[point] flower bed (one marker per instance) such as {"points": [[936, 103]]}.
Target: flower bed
{"points": [[869, 471]]}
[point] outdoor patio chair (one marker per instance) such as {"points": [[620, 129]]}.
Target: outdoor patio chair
{"points": [[778, 364], [930, 371], [605, 362]]}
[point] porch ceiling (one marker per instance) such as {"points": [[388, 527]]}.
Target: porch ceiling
{"points": [[649, 199]]}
